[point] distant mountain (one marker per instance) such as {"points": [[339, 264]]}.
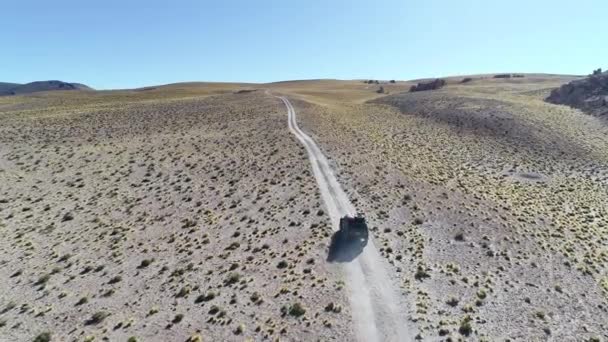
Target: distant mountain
{"points": [[4, 87], [17, 89]]}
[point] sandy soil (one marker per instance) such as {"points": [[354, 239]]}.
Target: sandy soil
{"points": [[190, 212], [161, 219], [488, 202]]}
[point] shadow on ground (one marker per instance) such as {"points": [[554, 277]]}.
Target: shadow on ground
{"points": [[345, 247]]}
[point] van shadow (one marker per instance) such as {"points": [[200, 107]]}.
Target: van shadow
{"points": [[345, 247]]}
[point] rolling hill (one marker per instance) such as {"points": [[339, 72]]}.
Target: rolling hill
{"points": [[33, 87]]}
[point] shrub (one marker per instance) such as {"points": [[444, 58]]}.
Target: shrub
{"points": [[67, 217], [43, 279], [452, 301], [115, 280], [465, 326], [239, 329], [82, 301], [233, 278], [183, 292], [205, 297], [195, 338], [43, 337], [421, 273], [178, 318], [97, 317], [145, 263], [296, 310], [255, 297]]}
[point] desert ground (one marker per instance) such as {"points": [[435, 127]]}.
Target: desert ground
{"points": [[189, 212], [162, 215]]}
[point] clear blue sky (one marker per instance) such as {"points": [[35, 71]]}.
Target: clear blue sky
{"points": [[123, 44]]}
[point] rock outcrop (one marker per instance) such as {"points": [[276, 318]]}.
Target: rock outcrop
{"points": [[589, 94], [430, 85]]}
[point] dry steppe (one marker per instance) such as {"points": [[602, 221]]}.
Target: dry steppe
{"points": [[162, 215], [189, 212], [488, 202]]}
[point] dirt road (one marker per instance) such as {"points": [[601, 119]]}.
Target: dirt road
{"points": [[376, 309]]}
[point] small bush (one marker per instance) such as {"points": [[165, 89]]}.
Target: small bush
{"points": [[178, 318], [115, 280], [465, 326], [421, 273], [233, 278], [205, 297], [67, 217], [452, 302], [239, 329], [82, 301], [183, 292], [97, 318], [43, 337], [296, 310], [195, 338], [255, 297], [145, 263]]}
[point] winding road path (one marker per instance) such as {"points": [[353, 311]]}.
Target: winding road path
{"points": [[376, 309]]}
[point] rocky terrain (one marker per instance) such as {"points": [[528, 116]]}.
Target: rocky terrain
{"points": [[589, 94], [429, 85]]}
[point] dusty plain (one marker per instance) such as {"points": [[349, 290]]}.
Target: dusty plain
{"points": [[189, 212]]}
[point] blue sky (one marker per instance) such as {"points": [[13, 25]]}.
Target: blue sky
{"points": [[123, 44]]}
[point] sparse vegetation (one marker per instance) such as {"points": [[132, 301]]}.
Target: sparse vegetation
{"points": [[97, 317], [296, 310], [145, 263], [43, 337], [474, 193]]}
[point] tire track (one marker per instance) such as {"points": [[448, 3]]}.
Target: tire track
{"points": [[374, 305]]}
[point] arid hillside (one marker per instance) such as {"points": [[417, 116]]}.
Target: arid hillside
{"points": [[184, 212], [189, 212], [489, 203]]}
